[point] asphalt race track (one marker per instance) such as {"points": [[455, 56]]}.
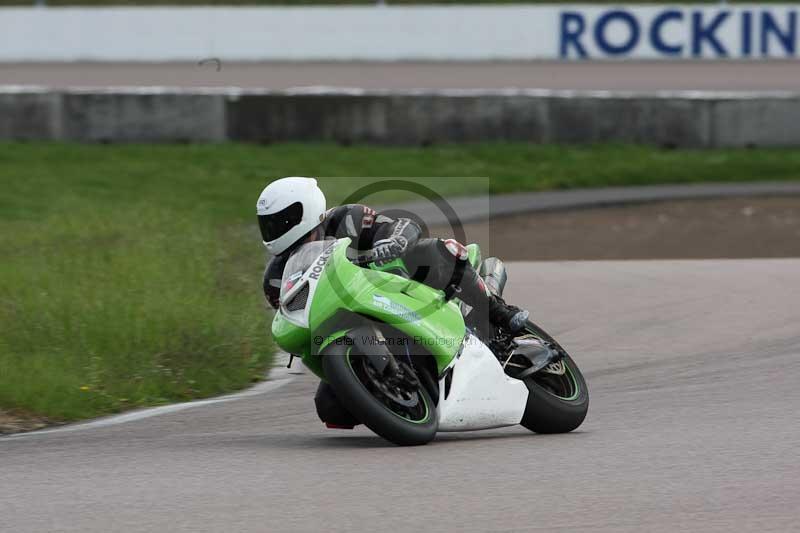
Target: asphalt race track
{"points": [[693, 368], [634, 75]]}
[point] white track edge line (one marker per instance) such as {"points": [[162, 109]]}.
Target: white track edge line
{"points": [[279, 376]]}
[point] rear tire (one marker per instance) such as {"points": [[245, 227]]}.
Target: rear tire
{"points": [[337, 362], [553, 409]]}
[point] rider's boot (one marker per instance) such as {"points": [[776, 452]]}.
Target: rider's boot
{"points": [[508, 317], [475, 294]]}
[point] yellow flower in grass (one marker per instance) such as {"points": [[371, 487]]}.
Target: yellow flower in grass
{"points": [[86, 388]]}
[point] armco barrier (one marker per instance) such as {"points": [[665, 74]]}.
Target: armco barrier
{"points": [[681, 119]]}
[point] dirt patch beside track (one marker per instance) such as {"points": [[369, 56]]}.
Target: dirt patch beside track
{"points": [[17, 422], [696, 229]]}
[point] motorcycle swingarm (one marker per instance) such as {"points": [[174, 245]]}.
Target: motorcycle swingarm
{"points": [[539, 356]]}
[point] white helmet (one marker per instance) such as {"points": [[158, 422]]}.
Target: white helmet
{"points": [[288, 209]]}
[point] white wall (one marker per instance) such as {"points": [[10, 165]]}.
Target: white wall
{"points": [[398, 33]]}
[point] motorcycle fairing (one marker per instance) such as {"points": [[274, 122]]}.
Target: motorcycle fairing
{"points": [[418, 311], [480, 395]]}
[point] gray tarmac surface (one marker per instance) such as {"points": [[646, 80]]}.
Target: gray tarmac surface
{"points": [[692, 366], [705, 75]]}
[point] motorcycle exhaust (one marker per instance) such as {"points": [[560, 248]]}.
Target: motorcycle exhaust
{"points": [[493, 272]]}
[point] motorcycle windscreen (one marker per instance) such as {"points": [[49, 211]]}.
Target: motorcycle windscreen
{"points": [[300, 261]]}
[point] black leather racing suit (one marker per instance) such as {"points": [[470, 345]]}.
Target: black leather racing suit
{"points": [[437, 263]]}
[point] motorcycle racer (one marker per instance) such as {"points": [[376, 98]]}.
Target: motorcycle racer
{"points": [[292, 211]]}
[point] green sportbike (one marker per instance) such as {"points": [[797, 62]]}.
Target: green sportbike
{"points": [[408, 360]]}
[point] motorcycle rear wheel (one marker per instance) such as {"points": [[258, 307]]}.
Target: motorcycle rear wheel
{"points": [[558, 402]]}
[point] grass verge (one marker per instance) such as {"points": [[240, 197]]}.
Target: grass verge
{"points": [[130, 274]]}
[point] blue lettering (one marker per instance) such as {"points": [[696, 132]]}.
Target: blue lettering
{"points": [[572, 27], [655, 33], [787, 38], [600, 32], [702, 33], [747, 33]]}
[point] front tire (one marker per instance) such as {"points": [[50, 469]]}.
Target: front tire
{"points": [[345, 370]]}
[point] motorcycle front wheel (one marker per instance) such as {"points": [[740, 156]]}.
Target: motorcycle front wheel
{"points": [[401, 413]]}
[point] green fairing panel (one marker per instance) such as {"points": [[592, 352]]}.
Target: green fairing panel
{"points": [[291, 338], [295, 340], [413, 308], [398, 265]]}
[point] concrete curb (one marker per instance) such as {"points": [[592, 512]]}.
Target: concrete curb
{"points": [[478, 209]]}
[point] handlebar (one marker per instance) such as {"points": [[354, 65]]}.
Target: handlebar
{"points": [[363, 260], [366, 259]]}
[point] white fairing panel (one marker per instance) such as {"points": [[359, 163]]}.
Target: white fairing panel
{"points": [[481, 395]]}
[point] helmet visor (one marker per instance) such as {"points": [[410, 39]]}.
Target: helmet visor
{"points": [[277, 224]]}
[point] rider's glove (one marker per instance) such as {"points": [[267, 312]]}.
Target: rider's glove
{"points": [[387, 250]]}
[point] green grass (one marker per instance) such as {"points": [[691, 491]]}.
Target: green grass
{"points": [[130, 274]]}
